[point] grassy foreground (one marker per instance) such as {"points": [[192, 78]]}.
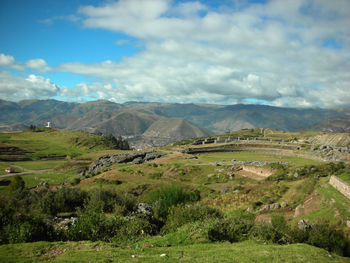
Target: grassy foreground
{"points": [[86, 251]]}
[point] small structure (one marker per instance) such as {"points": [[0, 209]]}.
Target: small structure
{"points": [[9, 170], [48, 125]]}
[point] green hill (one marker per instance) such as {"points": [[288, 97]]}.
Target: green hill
{"points": [[175, 129], [250, 200], [49, 143]]}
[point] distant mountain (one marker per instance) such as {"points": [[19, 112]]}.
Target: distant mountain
{"points": [[332, 125], [125, 123], [173, 129], [152, 119]]}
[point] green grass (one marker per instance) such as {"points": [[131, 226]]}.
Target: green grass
{"points": [[40, 165], [337, 200], [243, 252], [52, 142], [249, 156], [345, 177], [33, 180]]}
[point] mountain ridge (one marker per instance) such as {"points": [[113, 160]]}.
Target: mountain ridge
{"points": [[132, 119]]}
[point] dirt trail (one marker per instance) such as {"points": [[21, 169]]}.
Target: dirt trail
{"points": [[25, 171]]}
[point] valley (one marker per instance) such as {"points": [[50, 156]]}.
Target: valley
{"points": [[147, 125]]}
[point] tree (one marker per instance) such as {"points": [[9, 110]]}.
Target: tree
{"points": [[17, 184], [32, 127], [119, 143]]}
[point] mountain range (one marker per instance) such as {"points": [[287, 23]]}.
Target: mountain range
{"points": [[155, 124]]}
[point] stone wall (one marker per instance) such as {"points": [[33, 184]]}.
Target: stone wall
{"points": [[340, 185]]}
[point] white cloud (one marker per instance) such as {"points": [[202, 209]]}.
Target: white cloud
{"points": [[16, 88], [193, 53], [121, 42], [6, 60], [50, 21], [38, 65], [269, 52]]}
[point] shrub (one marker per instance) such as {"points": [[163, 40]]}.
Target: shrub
{"points": [[133, 229], [75, 181], [168, 196], [231, 229], [63, 200], [17, 184], [26, 228], [156, 175], [93, 225], [328, 237], [180, 215], [275, 232], [107, 199], [104, 181]]}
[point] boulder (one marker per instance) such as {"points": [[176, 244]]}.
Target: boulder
{"points": [[250, 210], [143, 208], [138, 160], [152, 156], [110, 159], [302, 225]]}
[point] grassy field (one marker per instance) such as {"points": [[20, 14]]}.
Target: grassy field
{"points": [[250, 156], [52, 143], [212, 174], [216, 252]]}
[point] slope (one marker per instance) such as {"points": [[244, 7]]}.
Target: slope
{"points": [[170, 130]]}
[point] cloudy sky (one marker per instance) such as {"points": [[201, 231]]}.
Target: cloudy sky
{"points": [[293, 53]]}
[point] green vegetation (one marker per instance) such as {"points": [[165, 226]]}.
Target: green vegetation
{"points": [[52, 143], [17, 184], [191, 207], [243, 252]]}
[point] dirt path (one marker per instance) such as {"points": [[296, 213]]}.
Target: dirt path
{"points": [[26, 172]]}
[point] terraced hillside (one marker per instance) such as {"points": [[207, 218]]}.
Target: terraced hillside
{"points": [[269, 200]]}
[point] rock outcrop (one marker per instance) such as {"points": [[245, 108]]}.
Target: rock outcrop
{"points": [[109, 159]]}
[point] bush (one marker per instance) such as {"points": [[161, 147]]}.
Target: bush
{"points": [[156, 175], [63, 200], [18, 228], [231, 229], [93, 225], [328, 237], [168, 196], [75, 181], [275, 232], [133, 229], [180, 215], [108, 199], [17, 184]]}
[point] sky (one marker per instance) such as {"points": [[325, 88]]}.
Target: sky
{"points": [[289, 53]]}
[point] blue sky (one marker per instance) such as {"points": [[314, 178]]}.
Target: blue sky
{"points": [[292, 53]]}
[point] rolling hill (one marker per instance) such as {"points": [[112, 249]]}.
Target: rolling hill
{"points": [[167, 130], [133, 119]]}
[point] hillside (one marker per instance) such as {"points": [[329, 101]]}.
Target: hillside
{"points": [[132, 119], [250, 195], [170, 130], [48, 143], [332, 125], [124, 123]]}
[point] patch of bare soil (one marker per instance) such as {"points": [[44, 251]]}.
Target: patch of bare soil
{"points": [[53, 252], [256, 173]]}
